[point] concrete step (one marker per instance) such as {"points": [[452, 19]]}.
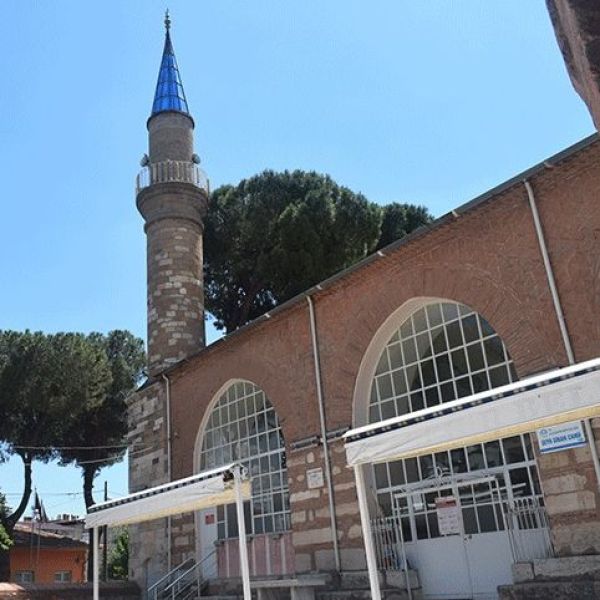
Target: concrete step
{"points": [[337, 595], [361, 595], [573, 589], [221, 597]]}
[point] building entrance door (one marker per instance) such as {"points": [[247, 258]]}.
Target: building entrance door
{"points": [[460, 542], [207, 536], [468, 552], [487, 545]]}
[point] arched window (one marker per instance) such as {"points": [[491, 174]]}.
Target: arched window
{"points": [[243, 426], [444, 351]]}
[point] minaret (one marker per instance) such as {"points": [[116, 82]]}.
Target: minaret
{"points": [[172, 196]]}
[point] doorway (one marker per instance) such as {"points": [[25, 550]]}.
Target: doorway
{"points": [[207, 536]]}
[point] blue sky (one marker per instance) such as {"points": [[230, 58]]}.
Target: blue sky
{"points": [[429, 102]]}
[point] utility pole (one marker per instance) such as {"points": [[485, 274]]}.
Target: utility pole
{"points": [[105, 535]]}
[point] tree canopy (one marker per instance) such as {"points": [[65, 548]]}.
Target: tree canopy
{"points": [[5, 540], [274, 235], [399, 220], [118, 561], [97, 433], [44, 381], [63, 396]]}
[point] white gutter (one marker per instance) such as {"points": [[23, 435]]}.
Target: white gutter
{"points": [[169, 440], [560, 315], [549, 273], [316, 359]]}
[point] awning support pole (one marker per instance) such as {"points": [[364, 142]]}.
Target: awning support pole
{"points": [[367, 533], [96, 569], [239, 502]]}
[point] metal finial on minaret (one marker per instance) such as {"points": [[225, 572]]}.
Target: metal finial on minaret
{"points": [[167, 20]]}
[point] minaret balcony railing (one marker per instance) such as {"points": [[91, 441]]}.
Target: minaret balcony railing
{"points": [[171, 171]]}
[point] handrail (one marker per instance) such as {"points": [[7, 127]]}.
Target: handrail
{"points": [[171, 171], [191, 569], [209, 555], [155, 585], [194, 566]]}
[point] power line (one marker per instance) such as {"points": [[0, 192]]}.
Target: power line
{"points": [[115, 446], [113, 457], [45, 493]]}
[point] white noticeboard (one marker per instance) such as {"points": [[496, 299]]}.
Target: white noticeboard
{"points": [[448, 515], [561, 437], [314, 478]]}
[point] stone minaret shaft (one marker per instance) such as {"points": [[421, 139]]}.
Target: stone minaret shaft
{"points": [[172, 197]]}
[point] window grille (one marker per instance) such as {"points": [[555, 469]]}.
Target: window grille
{"points": [[243, 427]]}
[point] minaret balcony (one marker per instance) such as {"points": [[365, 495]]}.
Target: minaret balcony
{"points": [[171, 171]]}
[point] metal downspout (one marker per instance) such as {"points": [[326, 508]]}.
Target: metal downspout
{"points": [[169, 439], [560, 315], [317, 362]]}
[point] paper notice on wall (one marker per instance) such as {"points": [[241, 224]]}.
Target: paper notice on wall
{"points": [[448, 515], [314, 478], [561, 437]]}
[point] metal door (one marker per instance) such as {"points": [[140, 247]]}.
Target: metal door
{"points": [[207, 536], [486, 543], [468, 558]]}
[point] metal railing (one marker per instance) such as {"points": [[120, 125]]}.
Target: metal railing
{"points": [[186, 586], [528, 529], [527, 525], [155, 591], [387, 543], [183, 582], [170, 171]]}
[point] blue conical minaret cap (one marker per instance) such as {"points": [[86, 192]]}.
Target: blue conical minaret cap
{"points": [[169, 95]]}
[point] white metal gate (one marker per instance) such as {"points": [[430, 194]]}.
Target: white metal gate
{"points": [[477, 531], [491, 483], [528, 529], [456, 562]]}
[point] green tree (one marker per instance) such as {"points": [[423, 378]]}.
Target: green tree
{"points": [[118, 561], [274, 235], [399, 220], [45, 381], [5, 540], [97, 434]]}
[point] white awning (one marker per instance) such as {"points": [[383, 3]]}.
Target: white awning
{"points": [[203, 490], [567, 394]]}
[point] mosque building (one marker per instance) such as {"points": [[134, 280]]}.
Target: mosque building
{"points": [[500, 290]]}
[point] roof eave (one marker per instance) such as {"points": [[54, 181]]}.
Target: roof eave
{"points": [[393, 247]]}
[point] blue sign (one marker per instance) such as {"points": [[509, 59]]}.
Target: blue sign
{"points": [[561, 437]]}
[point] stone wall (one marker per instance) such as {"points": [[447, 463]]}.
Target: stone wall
{"points": [[173, 213], [572, 578], [311, 519], [183, 536], [577, 27], [147, 438]]}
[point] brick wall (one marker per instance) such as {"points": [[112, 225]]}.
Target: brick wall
{"points": [[487, 258]]}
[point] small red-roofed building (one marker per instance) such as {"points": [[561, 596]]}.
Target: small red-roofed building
{"points": [[40, 556]]}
